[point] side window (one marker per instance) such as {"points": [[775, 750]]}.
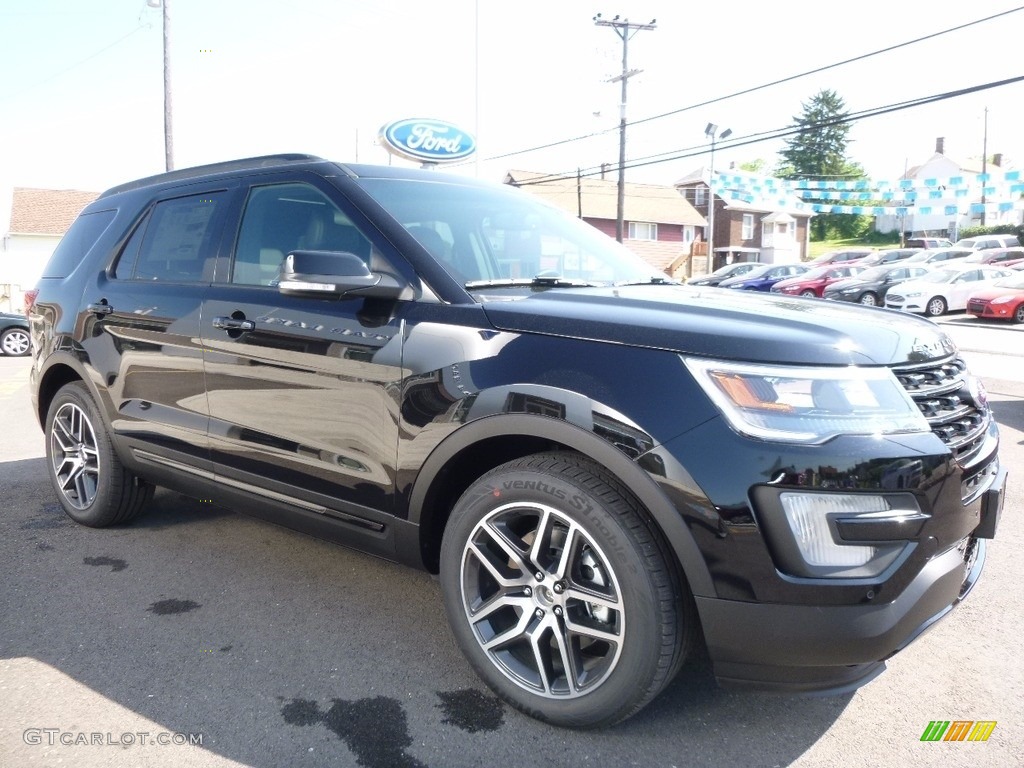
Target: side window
{"points": [[77, 242], [176, 241], [281, 218]]}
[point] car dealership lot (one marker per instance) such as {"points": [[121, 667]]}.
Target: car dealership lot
{"points": [[279, 649]]}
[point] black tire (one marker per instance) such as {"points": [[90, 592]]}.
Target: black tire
{"points": [[496, 584], [1018, 316], [91, 483], [808, 293], [15, 342], [936, 306], [868, 299]]}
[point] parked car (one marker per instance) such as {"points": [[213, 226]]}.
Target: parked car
{"points": [[928, 242], [887, 257], [14, 336], [870, 286], [724, 273], [813, 281], [835, 257], [938, 256], [998, 256], [602, 466], [1003, 301], [984, 242], [944, 289], [763, 277]]}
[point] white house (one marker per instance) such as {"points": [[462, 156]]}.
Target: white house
{"points": [[33, 222], [943, 195]]}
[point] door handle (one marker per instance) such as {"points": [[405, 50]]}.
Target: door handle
{"points": [[233, 324], [100, 308]]}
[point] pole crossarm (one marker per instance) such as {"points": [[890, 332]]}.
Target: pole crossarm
{"points": [[625, 30]]}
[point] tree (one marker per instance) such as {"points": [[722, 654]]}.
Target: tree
{"points": [[818, 151], [754, 166]]}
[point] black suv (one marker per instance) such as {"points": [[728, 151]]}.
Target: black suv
{"points": [[604, 467]]}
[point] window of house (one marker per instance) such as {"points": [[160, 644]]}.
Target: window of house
{"points": [[689, 234], [643, 230], [699, 196], [748, 226]]}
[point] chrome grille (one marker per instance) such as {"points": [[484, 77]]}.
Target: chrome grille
{"points": [[941, 392]]}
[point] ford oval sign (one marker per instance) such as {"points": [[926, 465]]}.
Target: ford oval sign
{"points": [[429, 141]]}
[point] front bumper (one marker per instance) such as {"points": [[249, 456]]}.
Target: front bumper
{"points": [[831, 649]]}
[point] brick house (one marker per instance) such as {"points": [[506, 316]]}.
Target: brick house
{"points": [[659, 225], [749, 227]]}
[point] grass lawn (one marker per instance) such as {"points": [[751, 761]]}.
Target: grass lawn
{"points": [[818, 247]]}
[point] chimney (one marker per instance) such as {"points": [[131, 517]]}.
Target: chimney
{"points": [[604, 168], [940, 145], [997, 159]]}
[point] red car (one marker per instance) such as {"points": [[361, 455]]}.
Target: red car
{"points": [[814, 281], [1002, 301]]}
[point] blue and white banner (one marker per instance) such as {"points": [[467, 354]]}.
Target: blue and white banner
{"points": [[961, 194]]}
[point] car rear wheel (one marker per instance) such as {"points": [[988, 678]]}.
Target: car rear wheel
{"points": [[91, 483], [15, 341], [560, 594], [869, 299], [936, 306]]}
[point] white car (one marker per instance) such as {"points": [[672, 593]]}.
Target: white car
{"points": [[943, 289]]}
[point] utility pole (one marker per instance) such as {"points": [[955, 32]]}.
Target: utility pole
{"points": [[625, 31], [984, 166], [168, 140]]}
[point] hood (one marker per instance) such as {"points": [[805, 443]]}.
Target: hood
{"points": [[724, 324]]}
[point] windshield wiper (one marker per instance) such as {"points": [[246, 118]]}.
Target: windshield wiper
{"points": [[543, 281]]}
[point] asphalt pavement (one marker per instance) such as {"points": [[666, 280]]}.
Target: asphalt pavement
{"points": [[198, 636]]}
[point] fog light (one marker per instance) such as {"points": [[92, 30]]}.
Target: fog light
{"points": [[808, 515]]}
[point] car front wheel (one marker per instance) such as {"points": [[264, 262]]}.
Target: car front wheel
{"points": [[561, 596], [935, 307], [15, 341], [91, 483], [869, 299], [1018, 316]]}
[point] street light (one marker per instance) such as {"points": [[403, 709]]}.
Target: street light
{"points": [[711, 131]]}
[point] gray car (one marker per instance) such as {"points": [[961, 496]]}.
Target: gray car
{"points": [[14, 338]]}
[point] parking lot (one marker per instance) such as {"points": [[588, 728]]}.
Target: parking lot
{"points": [[199, 624]]}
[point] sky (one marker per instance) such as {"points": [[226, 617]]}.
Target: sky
{"points": [[81, 83]]}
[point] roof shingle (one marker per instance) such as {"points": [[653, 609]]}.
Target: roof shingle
{"points": [[46, 211]]}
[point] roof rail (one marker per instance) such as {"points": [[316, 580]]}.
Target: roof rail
{"points": [[263, 161]]}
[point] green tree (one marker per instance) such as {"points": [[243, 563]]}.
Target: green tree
{"points": [[754, 166], [818, 151]]}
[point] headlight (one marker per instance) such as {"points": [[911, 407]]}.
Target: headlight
{"points": [[912, 294], [807, 405], [1003, 300], [849, 290]]}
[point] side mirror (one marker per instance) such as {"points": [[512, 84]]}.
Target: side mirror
{"points": [[334, 274]]}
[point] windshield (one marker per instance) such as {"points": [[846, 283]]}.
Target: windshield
{"points": [[1016, 281], [875, 273], [939, 276], [500, 236]]}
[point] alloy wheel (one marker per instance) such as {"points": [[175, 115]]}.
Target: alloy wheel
{"points": [[74, 456], [542, 601], [15, 342]]}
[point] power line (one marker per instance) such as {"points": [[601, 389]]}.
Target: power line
{"points": [[69, 67], [753, 89], [779, 133]]}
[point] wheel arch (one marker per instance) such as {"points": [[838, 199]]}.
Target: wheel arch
{"points": [[490, 441], [59, 370]]}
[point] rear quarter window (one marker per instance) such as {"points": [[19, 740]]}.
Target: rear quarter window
{"points": [[77, 242]]}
